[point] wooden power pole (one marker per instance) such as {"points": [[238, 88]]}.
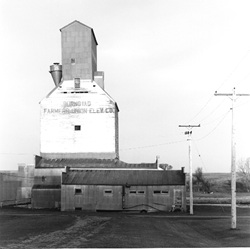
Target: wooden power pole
{"points": [[189, 133], [233, 156]]}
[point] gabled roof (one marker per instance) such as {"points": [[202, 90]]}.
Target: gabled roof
{"points": [[83, 25], [90, 163], [124, 177], [61, 83]]}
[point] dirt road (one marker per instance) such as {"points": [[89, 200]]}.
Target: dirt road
{"points": [[46, 229]]}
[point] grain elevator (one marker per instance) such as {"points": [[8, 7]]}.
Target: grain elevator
{"points": [[79, 166], [78, 118]]}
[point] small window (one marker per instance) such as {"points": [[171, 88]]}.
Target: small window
{"points": [[77, 127], [141, 192], [73, 60], [157, 192], [164, 192], [78, 191], [77, 82], [78, 209], [132, 192], [108, 192]]}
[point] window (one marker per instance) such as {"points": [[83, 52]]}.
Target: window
{"points": [[157, 192], [132, 192], [164, 192], [78, 209], [140, 192], [77, 127], [78, 191], [108, 192], [73, 60], [77, 82]]}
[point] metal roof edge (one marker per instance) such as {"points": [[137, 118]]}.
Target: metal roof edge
{"points": [[108, 96], [39, 186], [81, 24]]}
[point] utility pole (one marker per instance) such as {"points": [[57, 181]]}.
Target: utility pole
{"points": [[233, 156], [189, 133]]}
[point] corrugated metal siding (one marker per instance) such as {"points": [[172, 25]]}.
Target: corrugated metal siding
{"points": [[49, 197], [8, 189], [111, 201], [89, 163], [124, 177], [93, 197], [48, 176], [16, 186]]}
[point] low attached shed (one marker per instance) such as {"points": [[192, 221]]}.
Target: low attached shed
{"points": [[46, 191], [123, 190]]}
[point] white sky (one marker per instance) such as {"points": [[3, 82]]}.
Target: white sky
{"points": [[163, 60]]}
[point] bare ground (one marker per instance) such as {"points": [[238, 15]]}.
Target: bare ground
{"points": [[208, 227]]}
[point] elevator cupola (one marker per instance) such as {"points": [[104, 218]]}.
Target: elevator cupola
{"points": [[79, 55]]}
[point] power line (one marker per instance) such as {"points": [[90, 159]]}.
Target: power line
{"points": [[228, 77], [199, 155], [154, 145], [234, 69], [201, 109], [213, 128], [237, 106], [204, 124], [216, 108], [238, 83]]}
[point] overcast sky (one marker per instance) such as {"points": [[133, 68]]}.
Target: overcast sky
{"points": [[163, 61]]}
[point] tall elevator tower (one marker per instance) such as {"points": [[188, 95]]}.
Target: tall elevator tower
{"points": [[79, 55], [78, 118]]}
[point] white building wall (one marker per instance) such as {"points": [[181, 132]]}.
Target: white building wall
{"points": [[89, 107]]}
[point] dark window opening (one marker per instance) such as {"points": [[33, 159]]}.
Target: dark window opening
{"points": [[77, 127], [78, 191], [164, 191], [141, 192], [108, 192], [78, 209], [79, 92], [157, 191], [132, 192], [73, 60]]}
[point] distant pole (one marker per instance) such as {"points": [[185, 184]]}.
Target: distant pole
{"points": [[189, 133], [233, 157], [190, 172], [233, 167]]}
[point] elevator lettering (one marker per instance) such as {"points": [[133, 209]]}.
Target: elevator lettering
{"points": [[77, 107]]}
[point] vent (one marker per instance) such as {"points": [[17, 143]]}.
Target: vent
{"points": [[56, 73], [77, 82]]}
